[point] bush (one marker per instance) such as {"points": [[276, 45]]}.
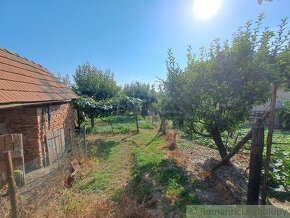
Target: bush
{"points": [[284, 115]]}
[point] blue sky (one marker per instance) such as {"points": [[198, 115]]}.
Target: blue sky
{"points": [[131, 37]]}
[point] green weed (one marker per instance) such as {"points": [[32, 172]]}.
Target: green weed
{"points": [[150, 161], [98, 183]]}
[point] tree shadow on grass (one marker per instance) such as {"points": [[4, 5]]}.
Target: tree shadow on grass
{"points": [[159, 186], [157, 136], [104, 147]]}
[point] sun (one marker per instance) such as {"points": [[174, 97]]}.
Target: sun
{"points": [[205, 9]]}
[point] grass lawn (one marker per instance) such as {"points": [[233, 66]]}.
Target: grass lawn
{"points": [[120, 125]]}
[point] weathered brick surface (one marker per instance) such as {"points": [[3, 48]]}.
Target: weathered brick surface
{"points": [[32, 122]]}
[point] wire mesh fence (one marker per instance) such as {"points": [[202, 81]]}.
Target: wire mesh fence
{"points": [[41, 183]]}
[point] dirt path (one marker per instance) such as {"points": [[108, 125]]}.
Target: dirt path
{"points": [[228, 185]]}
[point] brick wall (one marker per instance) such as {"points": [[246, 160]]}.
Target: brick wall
{"points": [[32, 122], [62, 116], [24, 121]]}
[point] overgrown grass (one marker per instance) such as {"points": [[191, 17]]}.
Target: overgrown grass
{"points": [[152, 170], [111, 155], [120, 125], [149, 172]]}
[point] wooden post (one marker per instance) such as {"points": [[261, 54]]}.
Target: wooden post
{"points": [[13, 143], [255, 164], [93, 121], [164, 126], [11, 184], [19, 162], [137, 125], [79, 119], [161, 124], [85, 145], [269, 143]]}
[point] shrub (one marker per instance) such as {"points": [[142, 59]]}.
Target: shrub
{"points": [[284, 115]]}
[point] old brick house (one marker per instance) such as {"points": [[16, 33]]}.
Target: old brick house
{"points": [[35, 103]]}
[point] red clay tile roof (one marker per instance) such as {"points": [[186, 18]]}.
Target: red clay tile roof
{"points": [[23, 81]]}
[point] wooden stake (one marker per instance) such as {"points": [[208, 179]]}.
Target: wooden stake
{"points": [[137, 125], [164, 126], [11, 184], [93, 121], [86, 150], [269, 143], [255, 164], [79, 119]]}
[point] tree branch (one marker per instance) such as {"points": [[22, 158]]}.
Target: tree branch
{"points": [[240, 144], [234, 151]]}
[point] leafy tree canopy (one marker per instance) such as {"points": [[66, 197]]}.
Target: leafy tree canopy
{"points": [[140, 90], [119, 105], [143, 91], [94, 82], [216, 90], [65, 80]]}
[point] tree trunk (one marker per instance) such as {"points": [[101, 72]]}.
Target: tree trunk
{"points": [[111, 127], [92, 121], [137, 125], [219, 143], [269, 144], [240, 144], [143, 110], [234, 151]]}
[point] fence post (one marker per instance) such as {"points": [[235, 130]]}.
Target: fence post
{"points": [[79, 118], [137, 125], [11, 184], [255, 164], [86, 150], [163, 126]]}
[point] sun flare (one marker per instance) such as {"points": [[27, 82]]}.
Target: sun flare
{"points": [[205, 9]]}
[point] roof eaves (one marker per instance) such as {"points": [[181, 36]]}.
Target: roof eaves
{"points": [[21, 104]]}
